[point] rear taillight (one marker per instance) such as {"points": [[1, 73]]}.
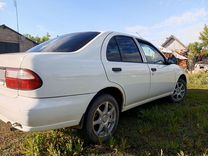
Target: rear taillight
{"points": [[22, 79]]}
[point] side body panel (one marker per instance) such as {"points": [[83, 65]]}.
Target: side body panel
{"points": [[162, 80], [163, 76], [134, 77]]}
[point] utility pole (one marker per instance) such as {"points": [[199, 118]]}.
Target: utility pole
{"points": [[17, 18]]}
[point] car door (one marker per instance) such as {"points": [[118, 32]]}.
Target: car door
{"points": [[162, 74], [124, 66]]}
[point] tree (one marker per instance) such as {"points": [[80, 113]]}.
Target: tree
{"points": [[38, 39], [195, 50], [198, 50], [204, 36]]}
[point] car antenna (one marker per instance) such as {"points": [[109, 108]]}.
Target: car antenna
{"points": [[139, 35]]}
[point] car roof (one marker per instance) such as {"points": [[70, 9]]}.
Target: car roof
{"points": [[125, 34]]}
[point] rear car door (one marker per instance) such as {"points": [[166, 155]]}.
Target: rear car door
{"points": [[162, 75], [124, 66]]}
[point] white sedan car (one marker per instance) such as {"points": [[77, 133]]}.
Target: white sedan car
{"points": [[84, 79]]}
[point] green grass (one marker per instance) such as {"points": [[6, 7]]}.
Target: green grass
{"points": [[157, 128]]}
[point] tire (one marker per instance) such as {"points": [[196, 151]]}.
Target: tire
{"points": [[102, 119], [180, 91]]}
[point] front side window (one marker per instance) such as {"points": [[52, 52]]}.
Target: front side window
{"points": [[113, 53], [128, 49], [152, 55], [65, 43]]}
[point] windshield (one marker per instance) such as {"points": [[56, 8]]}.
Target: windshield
{"points": [[65, 43]]}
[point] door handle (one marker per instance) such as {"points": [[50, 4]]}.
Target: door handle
{"points": [[153, 69], [116, 69]]}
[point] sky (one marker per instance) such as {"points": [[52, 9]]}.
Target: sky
{"points": [[154, 20]]}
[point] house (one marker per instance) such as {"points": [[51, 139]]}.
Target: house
{"points": [[178, 49], [174, 44], [12, 41]]}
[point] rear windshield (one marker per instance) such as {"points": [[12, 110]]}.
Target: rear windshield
{"points": [[65, 43]]}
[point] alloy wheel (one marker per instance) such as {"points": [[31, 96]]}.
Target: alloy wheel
{"points": [[179, 92], [104, 119]]}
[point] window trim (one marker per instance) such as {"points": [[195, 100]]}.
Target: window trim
{"points": [[150, 44], [117, 47], [139, 51]]}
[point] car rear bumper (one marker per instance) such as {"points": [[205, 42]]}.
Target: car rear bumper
{"points": [[31, 114]]}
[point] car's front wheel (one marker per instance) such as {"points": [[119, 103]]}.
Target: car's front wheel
{"points": [[179, 91], [102, 118]]}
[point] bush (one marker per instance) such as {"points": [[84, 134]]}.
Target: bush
{"points": [[58, 142]]}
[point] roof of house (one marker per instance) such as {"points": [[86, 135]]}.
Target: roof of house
{"points": [[5, 26], [170, 39]]}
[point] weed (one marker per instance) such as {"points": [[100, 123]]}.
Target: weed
{"points": [[52, 143]]}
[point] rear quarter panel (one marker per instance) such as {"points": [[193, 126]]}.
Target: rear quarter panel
{"points": [[13, 60], [64, 74]]}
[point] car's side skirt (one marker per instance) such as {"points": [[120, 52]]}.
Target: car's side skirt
{"points": [[125, 108]]}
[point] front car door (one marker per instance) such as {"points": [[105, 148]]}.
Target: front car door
{"points": [[124, 66], [162, 75]]}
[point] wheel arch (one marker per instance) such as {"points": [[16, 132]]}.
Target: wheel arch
{"points": [[183, 77], [114, 91]]}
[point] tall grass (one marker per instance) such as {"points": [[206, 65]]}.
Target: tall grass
{"points": [[58, 142], [199, 80]]}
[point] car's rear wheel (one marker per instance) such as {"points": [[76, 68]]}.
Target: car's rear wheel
{"points": [[102, 118], [179, 91]]}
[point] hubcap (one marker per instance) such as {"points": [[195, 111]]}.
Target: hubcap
{"points": [[104, 119], [179, 91]]}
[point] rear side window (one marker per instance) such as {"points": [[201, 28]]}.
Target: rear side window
{"points": [[128, 49], [113, 53], [65, 43]]}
